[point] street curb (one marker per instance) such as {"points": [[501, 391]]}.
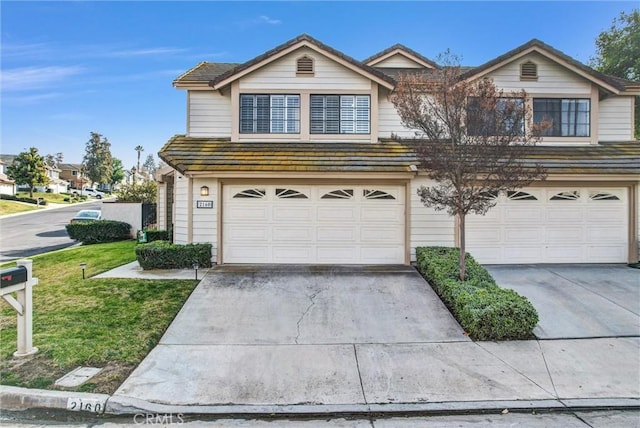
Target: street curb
{"points": [[47, 208], [22, 399], [13, 398]]}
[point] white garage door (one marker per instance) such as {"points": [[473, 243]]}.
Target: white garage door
{"points": [[552, 225], [313, 224]]}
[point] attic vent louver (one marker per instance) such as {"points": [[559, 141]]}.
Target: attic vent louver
{"points": [[529, 71], [304, 66]]}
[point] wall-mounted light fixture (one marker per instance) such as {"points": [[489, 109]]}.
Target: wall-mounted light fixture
{"points": [[204, 191]]}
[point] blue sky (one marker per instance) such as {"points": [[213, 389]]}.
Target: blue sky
{"points": [[70, 68]]}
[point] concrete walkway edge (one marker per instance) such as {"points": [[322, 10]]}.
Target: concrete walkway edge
{"points": [[21, 399]]}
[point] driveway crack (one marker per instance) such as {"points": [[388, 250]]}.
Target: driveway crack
{"points": [[312, 298]]}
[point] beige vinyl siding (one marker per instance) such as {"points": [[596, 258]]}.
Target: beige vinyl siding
{"points": [[209, 114], [388, 120], [161, 207], [552, 78], [181, 215], [397, 61], [280, 75], [616, 119], [205, 221], [428, 227]]}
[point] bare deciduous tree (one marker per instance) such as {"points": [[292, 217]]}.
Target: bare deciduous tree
{"points": [[474, 138]]}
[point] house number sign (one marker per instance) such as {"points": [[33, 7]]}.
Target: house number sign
{"points": [[204, 204]]}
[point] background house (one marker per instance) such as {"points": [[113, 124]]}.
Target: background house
{"points": [[7, 185], [299, 156]]}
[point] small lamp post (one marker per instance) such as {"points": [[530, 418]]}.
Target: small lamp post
{"points": [[82, 266], [196, 265]]}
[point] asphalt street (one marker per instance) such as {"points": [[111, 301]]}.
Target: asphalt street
{"points": [[38, 232]]}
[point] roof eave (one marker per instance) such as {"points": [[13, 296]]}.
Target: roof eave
{"points": [[473, 75]]}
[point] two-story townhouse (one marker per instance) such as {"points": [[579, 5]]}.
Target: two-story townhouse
{"points": [[298, 156], [7, 185], [72, 173]]}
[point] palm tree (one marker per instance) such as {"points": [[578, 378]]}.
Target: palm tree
{"points": [[139, 149]]}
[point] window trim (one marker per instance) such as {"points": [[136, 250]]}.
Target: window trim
{"points": [[340, 109], [270, 113], [590, 123]]}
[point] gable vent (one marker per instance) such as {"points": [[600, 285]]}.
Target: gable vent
{"points": [[529, 71], [304, 66]]}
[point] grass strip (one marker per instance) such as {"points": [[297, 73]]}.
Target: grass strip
{"points": [[107, 323]]}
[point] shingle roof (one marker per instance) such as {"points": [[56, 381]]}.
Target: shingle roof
{"points": [[205, 72], [302, 38], [212, 155], [603, 158], [400, 47], [201, 154], [618, 83]]}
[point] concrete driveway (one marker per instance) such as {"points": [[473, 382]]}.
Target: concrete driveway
{"points": [[578, 301], [299, 340]]}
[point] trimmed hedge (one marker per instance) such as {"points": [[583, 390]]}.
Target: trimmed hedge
{"points": [[19, 199], [165, 255], [484, 310], [158, 235], [98, 231]]}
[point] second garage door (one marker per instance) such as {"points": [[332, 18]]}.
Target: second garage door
{"points": [[552, 225], [313, 224]]}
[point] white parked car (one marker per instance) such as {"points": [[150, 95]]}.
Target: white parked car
{"points": [[90, 192]]}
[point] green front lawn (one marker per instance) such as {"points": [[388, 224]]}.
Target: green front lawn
{"points": [[110, 323], [51, 198], [11, 207]]}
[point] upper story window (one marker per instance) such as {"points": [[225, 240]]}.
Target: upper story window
{"points": [[570, 117], [504, 118], [304, 66], [528, 71], [340, 114], [269, 114]]}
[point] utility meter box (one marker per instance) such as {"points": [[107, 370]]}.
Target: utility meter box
{"points": [[13, 276]]}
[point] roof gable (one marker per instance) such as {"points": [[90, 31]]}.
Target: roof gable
{"points": [[612, 84], [292, 45], [398, 50]]}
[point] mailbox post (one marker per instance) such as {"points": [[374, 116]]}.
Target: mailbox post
{"points": [[19, 280]]}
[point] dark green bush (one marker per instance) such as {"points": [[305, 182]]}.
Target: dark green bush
{"points": [[158, 235], [164, 255], [98, 231], [20, 199], [484, 310]]}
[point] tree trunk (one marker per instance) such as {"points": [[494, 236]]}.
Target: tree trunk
{"points": [[31, 192], [463, 253]]}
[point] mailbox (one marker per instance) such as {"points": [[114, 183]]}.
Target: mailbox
{"points": [[13, 276]]}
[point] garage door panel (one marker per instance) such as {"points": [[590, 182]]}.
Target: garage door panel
{"points": [[606, 215], [565, 214], [337, 254], [381, 234], [292, 213], [579, 225], [521, 253], [336, 234], [328, 224], [284, 234], [246, 253], [605, 234], [378, 254], [336, 213], [483, 235], [247, 212], [525, 234], [606, 253], [522, 214], [248, 233], [381, 213], [291, 254], [563, 234]]}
